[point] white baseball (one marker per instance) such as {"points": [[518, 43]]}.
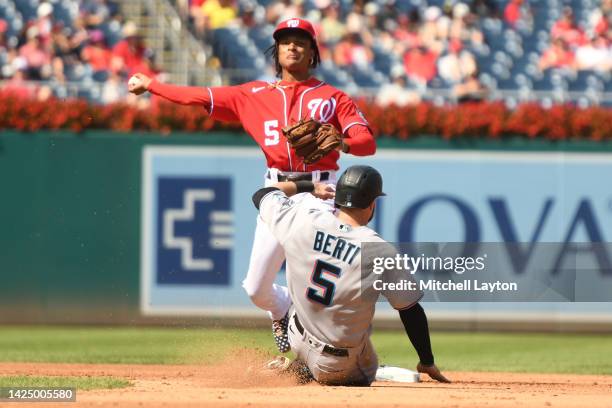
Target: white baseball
{"points": [[134, 81]]}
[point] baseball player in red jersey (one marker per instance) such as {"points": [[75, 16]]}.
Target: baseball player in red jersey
{"points": [[264, 109]]}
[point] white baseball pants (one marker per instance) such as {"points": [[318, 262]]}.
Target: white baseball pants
{"points": [[267, 257]]}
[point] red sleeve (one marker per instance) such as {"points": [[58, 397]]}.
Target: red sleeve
{"points": [[222, 103], [348, 114], [225, 102], [184, 95], [360, 140], [355, 127]]}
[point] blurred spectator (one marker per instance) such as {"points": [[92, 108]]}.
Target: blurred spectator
{"points": [[284, 9], [484, 8], [389, 12], [149, 66], [420, 64], [397, 93], [457, 65], [470, 90], [406, 30], [357, 23], [249, 20], [599, 19], [3, 28], [332, 30], [98, 55], [595, 55], [129, 53], [432, 33], [371, 11], [514, 12], [19, 86], [36, 55], [567, 30], [558, 55], [351, 51], [194, 10], [445, 21], [464, 25], [68, 44], [59, 50], [93, 13], [355, 20], [405, 34], [112, 89], [350, 34], [44, 22], [219, 13]]}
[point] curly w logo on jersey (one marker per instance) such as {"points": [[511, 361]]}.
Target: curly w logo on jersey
{"points": [[322, 109]]}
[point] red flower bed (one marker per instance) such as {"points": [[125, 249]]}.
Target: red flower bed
{"points": [[480, 120], [492, 120]]}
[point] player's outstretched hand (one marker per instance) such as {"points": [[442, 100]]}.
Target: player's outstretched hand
{"points": [[139, 83], [433, 372], [324, 191]]}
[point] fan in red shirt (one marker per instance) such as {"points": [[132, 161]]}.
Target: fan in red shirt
{"points": [[263, 109], [97, 54], [130, 54], [420, 64], [567, 30], [558, 55], [512, 12]]}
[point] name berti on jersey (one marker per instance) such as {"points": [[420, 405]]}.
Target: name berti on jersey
{"points": [[342, 250]]}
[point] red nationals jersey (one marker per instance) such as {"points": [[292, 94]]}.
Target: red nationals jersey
{"points": [[265, 108]]}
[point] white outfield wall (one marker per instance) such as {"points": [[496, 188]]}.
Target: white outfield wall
{"points": [[198, 221]]}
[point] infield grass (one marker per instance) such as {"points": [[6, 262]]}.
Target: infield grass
{"points": [[80, 383], [550, 353]]}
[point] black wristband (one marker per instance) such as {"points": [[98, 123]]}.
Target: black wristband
{"points": [[260, 194], [304, 186]]}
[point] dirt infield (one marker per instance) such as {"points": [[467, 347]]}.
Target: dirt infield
{"points": [[236, 384]]}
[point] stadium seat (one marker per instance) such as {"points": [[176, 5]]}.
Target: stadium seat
{"points": [[487, 80], [62, 14], [508, 60], [84, 93], [332, 75], [26, 8], [364, 77], [543, 84], [383, 61], [523, 81], [262, 37], [506, 84]]}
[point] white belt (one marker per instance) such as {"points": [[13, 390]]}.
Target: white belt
{"points": [[275, 175]]}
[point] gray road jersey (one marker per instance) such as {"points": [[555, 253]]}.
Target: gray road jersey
{"points": [[324, 269]]}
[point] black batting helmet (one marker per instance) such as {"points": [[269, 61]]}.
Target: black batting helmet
{"points": [[358, 187]]}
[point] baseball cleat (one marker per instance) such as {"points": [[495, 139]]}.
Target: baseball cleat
{"points": [[284, 366], [280, 331], [278, 363], [300, 371]]}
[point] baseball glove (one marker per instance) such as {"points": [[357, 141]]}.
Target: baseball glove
{"points": [[312, 140]]}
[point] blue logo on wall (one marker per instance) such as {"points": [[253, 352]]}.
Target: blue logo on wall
{"points": [[195, 230]]}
